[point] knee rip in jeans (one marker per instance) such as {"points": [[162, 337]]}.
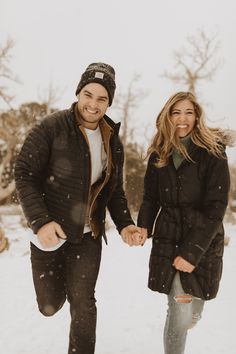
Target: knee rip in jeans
{"points": [[195, 318], [183, 299]]}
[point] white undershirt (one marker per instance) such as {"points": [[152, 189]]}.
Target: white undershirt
{"points": [[97, 152], [98, 163]]}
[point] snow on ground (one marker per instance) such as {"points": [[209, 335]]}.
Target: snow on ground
{"points": [[130, 316]]}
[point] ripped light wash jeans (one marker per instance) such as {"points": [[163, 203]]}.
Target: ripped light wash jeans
{"points": [[181, 316]]}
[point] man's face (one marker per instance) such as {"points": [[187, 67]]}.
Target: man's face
{"points": [[92, 104]]}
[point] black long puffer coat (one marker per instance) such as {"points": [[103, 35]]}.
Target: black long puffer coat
{"points": [[191, 202]]}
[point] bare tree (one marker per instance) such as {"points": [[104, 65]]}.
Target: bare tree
{"points": [[197, 62], [50, 97], [14, 126], [5, 71], [10, 141], [125, 103]]}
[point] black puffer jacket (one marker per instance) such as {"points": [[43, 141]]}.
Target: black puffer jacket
{"points": [[52, 175], [193, 200]]}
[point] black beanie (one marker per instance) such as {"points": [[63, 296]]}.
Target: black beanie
{"points": [[102, 74]]}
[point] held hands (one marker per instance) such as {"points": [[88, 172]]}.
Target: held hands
{"points": [[183, 265], [134, 235], [49, 234]]}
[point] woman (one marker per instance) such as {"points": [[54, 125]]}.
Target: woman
{"points": [[185, 197]]}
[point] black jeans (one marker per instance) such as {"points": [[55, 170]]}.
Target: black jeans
{"points": [[70, 272]]}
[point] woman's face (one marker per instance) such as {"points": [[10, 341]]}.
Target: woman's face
{"points": [[184, 117]]}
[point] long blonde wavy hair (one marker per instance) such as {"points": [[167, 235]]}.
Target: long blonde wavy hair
{"points": [[166, 138]]}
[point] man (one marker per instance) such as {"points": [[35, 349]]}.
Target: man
{"points": [[68, 171]]}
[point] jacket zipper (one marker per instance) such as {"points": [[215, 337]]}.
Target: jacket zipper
{"points": [[155, 221], [102, 185]]}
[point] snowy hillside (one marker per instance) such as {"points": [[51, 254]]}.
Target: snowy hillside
{"points": [[130, 316]]}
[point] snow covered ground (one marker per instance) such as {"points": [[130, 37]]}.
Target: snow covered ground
{"points": [[130, 316]]}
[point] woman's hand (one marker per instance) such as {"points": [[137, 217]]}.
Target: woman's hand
{"points": [[183, 265]]}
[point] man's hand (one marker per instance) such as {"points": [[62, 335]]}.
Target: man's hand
{"points": [[144, 235], [131, 235], [49, 234], [183, 265]]}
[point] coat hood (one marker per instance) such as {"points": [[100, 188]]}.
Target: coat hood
{"points": [[228, 137]]}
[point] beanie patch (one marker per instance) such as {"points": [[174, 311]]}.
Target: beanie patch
{"points": [[99, 75]]}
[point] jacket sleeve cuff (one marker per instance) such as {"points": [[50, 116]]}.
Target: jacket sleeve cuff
{"points": [[121, 227], [192, 253], [36, 224]]}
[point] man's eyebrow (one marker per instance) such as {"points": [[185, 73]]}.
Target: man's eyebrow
{"points": [[86, 91], [104, 97]]}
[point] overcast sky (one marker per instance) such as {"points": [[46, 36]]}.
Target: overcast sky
{"points": [[56, 40]]}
